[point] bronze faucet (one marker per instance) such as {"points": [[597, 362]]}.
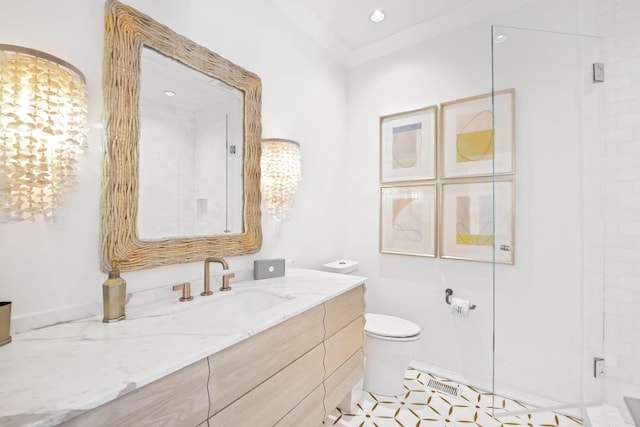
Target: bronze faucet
{"points": [[225, 278]]}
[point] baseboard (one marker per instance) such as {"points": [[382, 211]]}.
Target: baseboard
{"points": [[572, 410], [604, 416], [440, 372]]}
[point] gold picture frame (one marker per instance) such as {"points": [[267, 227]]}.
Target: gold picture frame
{"points": [[477, 220], [408, 219], [408, 145], [477, 136]]}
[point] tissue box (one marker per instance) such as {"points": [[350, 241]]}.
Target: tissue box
{"points": [[5, 322]]}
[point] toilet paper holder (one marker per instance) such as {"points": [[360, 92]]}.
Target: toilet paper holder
{"points": [[448, 294]]}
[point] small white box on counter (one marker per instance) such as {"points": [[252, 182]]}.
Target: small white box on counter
{"points": [[343, 266]]}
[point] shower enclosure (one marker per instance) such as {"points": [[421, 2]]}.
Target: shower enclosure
{"points": [[548, 305]]}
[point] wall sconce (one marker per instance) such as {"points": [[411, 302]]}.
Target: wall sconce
{"points": [[281, 173], [43, 125]]}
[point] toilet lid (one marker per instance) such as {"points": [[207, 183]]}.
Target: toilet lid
{"points": [[390, 326]]}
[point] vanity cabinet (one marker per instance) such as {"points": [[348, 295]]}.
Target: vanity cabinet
{"points": [[344, 359], [284, 376], [179, 399]]}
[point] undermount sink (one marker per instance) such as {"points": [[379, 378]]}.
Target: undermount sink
{"points": [[234, 307], [228, 307], [247, 302]]}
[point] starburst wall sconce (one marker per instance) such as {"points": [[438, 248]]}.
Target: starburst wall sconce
{"points": [[43, 126], [281, 173]]}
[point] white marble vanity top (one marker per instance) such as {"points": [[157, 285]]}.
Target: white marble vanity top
{"points": [[52, 374]]}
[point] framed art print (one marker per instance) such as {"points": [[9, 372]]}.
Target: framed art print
{"points": [[477, 136], [408, 220], [408, 146], [477, 219]]}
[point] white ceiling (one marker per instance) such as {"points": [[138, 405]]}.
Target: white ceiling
{"points": [[349, 19], [344, 29]]}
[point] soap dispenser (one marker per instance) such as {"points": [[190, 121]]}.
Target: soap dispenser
{"points": [[114, 292]]}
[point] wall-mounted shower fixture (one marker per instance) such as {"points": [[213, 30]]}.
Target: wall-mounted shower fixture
{"points": [[598, 367], [598, 72]]}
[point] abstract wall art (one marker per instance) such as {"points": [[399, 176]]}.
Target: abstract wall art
{"points": [[408, 145], [408, 220], [478, 136], [450, 192], [477, 219]]}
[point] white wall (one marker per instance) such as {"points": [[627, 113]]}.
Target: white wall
{"points": [[539, 306], [620, 26], [47, 267], [446, 68]]}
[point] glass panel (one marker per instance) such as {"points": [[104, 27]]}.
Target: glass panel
{"points": [[548, 304]]}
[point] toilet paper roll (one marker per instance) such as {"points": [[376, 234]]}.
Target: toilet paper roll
{"points": [[460, 307]]}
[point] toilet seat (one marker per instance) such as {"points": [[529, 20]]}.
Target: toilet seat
{"points": [[390, 328]]}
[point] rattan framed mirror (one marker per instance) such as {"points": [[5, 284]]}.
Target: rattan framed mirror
{"points": [[127, 32]]}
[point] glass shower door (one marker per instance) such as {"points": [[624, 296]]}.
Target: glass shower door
{"points": [[548, 303]]}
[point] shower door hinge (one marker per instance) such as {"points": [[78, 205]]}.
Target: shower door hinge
{"points": [[598, 72], [598, 367]]}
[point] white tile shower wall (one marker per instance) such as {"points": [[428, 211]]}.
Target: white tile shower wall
{"points": [[166, 182], [619, 22]]}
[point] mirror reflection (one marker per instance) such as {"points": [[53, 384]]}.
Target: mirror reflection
{"points": [[190, 151]]}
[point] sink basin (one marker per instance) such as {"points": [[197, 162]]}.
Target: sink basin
{"points": [[227, 307], [245, 303]]}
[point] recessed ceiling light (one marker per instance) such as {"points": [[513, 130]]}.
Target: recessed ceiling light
{"points": [[377, 16], [500, 38], [169, 93]]}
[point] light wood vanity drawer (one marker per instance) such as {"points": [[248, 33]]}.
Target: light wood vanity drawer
{"points": [[340, 383], [343, 344], [343, 309], [266, 404], [241, 367], [179, 399], [309, 412]]}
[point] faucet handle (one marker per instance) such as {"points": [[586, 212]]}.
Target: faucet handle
{"points": [[186, 291], [225, 281]]}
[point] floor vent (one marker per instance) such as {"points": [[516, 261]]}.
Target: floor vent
{"points": [[444, 388]]}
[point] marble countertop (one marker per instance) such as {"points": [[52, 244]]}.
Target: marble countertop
{"points": [[55, 373]]}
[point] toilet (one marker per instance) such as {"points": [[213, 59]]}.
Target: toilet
{"points": [[389, 345]]}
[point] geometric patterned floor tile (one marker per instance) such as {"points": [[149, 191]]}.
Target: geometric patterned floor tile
{"points": [[421, 406]]}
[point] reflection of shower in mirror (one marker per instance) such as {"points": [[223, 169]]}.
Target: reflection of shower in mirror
{"points": [[190, 180]]}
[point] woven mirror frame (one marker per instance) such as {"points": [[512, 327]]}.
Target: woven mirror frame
{"points": [[126, 32]]}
